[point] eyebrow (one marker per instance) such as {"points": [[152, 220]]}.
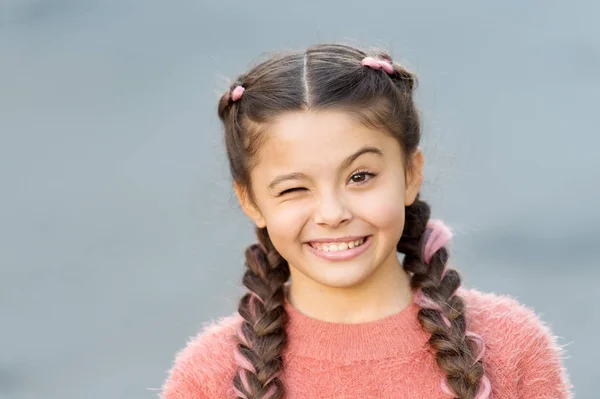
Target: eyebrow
{"points": [[346, 163]]}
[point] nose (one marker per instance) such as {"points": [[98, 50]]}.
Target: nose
{"points": [[332, 211]]}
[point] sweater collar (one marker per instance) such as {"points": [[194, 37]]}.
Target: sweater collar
{"points": [[397, 335]]}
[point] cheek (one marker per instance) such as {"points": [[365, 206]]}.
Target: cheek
{"points": [[285, 224], [387, 215], [385, 209]]}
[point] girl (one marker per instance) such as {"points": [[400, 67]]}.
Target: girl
{"points": [[323, 147]]}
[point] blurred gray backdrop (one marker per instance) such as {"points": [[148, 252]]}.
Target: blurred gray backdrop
{"points": [[119, 234]]}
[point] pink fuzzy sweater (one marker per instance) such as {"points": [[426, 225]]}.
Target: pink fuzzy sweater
{"points": [[387, 358]]}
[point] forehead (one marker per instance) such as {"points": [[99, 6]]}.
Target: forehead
{"points": [[311, 139]]}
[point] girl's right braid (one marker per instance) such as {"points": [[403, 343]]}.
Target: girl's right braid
{"points": [[458, 351], [262, 336]]}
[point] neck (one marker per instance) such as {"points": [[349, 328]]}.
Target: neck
{"points": [[386, 292]]}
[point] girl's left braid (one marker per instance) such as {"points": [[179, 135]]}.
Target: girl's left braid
{"points": [[458, 351], [262, 336]]}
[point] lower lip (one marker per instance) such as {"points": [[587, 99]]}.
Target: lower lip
{"points": [[342, 255]]}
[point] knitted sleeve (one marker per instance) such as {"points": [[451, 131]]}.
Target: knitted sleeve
{"points": [[523, 355], [205, 367], [185, 379], [542, 374]]}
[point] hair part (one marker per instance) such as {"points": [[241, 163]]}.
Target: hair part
{"points": [[331, 77]]}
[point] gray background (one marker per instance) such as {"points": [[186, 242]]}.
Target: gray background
{"points": [[119, 235]]}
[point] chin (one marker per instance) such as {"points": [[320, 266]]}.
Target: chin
{"points": [[340, 275]]}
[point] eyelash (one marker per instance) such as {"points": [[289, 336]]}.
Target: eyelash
{"points": [[358, 172]]}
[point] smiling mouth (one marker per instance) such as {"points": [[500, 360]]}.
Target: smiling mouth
{"points": [[337, 246]]}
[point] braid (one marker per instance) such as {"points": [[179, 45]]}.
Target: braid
{"points": [[262, 336], [443, 312]]}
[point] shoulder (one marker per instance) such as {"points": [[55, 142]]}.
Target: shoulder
{"points": [[520, 346], [205, 366], [503, 320]]}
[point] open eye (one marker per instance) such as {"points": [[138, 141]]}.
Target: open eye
{"points": [[361, 177]]}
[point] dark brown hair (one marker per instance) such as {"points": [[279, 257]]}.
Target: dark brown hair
{"points": [[331, 76]]}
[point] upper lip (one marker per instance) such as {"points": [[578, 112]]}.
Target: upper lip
{"points": [[341, 239]]}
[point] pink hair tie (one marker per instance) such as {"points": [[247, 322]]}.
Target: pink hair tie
{"points": [[236, 94], [485, 388], [438, 236], [378, 64]]}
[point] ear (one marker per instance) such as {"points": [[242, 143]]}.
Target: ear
{"points": [[248, 206], [414, 177]]}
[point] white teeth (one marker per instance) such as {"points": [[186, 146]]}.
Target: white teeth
{"points": [[342, 246]]}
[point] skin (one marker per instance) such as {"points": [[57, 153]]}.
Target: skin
{"points": [[328, 198]]}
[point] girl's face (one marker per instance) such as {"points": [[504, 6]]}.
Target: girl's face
{"points": [[331, 193]]}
